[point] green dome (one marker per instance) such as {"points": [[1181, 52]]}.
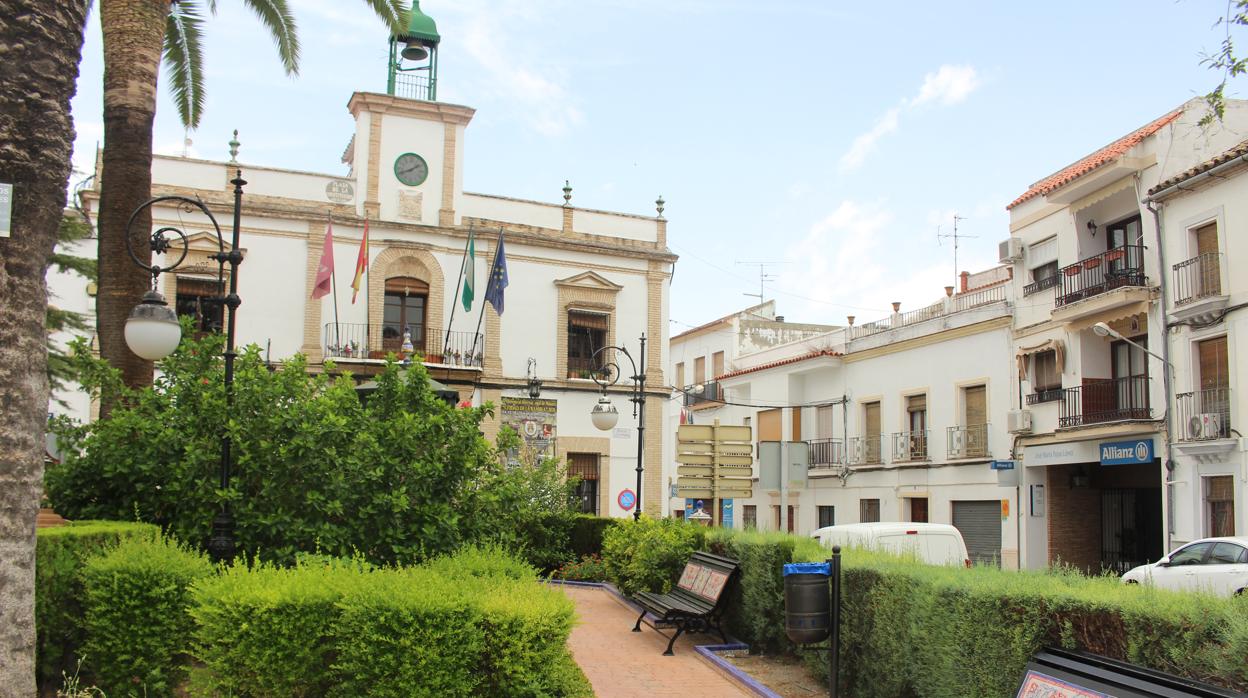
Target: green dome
{"points": [[420, 26]]}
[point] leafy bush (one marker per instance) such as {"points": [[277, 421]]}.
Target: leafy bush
{"points": [[397, 478], [648, 554], [60, 554], [487, 561], [137, 622], [755, 610], [589, 568]]}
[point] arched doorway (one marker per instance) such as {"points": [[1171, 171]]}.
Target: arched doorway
{"points": [[405, 313]]}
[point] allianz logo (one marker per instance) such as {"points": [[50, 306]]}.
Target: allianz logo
{"points": [[1138, 452]]}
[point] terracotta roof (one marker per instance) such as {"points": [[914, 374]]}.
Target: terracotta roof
{"points": [[1107, 154], [1236, 152], [781, 362]]}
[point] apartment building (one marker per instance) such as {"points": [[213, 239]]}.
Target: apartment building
{"points": [[1089, 334]]}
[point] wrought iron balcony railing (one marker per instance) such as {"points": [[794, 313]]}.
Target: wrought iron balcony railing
{"points": [[1105, 400], [825, 453], [1044, 395], [865, 450], [357, 340], [1204, 414], [970, 441], [1121, 266], [909, 446], [711, 391], [1198, 277]]}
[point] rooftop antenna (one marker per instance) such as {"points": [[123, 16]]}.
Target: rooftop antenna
{"points": [[956, 236], [763, 278]]}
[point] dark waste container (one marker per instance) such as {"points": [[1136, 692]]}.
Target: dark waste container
{"points": [[806, 601]]}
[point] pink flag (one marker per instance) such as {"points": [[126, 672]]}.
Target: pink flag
{"points": [[325, 273]]}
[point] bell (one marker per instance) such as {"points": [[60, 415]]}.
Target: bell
{"points": [[414, 51]]}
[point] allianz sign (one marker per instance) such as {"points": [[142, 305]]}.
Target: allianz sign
{"points": [[1127, 452]]}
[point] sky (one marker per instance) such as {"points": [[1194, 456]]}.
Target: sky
{"points": [[832, 141]]}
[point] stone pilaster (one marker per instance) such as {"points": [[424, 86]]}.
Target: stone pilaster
{"points": [[372, 197], [450, 138], [567, 219], [493, 359], [312, 307]]}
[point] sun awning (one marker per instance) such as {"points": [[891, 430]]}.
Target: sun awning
{"points": [[1057, 346], [1110, 315]]}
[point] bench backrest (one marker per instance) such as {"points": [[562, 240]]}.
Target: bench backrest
{"points": [[706, 576]]}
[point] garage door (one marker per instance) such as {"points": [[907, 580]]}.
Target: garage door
{"points": [[979, 523]]}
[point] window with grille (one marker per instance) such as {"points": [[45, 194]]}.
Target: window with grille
{"points": [[587, 333], [1220, 504], [749, 517], [584, 466], [827, 516], [868, 510]]}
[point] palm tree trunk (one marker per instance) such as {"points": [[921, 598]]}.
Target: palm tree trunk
{"points": [[133, 39], [42, 43]]}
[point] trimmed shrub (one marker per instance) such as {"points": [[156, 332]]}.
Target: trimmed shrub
{"points": [[648, 554], [755, 611], [587, 534], [266, 631], [487, 561], [137, 623], [60, 554]]}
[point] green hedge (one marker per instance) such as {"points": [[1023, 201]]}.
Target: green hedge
{"points": [[910, 629], [474, 623], [137, 623], [587, 534], [60, 554]]}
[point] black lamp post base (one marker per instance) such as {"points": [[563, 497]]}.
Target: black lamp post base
{"points": [[221, 544]]}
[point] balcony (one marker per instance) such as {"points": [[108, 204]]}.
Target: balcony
{"points": [[865, 450], [825, 453], [1198, 293], [944, 308], [1101, 400], [347, 341], [1091, 277], [712, 392], [1204, 415], [1045, 395], [909, 446], [1038, 286], [968, 442]]}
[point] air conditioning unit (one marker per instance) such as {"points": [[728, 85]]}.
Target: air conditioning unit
{"points": [[1019, 421], [1010, 250], [1206, 425]]}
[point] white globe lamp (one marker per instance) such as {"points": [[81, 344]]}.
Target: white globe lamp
{"points": [[604, 415], [152, 330]]}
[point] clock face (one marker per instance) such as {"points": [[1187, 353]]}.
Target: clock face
{"points": [[411, 169]]}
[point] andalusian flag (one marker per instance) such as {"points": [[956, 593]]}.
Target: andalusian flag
{"points": [[469, 271], [361, 264]]}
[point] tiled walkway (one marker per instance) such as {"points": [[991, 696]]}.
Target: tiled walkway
{"points": [[621, 663]]}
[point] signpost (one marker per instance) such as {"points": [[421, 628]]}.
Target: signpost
{"points": [[715, 462]]}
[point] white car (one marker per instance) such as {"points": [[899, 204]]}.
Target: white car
{"points": [[1215, 565]]}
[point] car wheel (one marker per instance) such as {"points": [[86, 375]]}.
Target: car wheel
{"points": [[1242, 592], [1132, 581]]}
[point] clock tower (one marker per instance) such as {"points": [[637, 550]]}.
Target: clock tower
{"points": [[407, 154]]}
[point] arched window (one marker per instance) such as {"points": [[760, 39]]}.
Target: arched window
{"points": [[406, 308]]}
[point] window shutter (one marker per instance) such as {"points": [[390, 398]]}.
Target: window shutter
{"points": [[976, 405], [1213, 365]]}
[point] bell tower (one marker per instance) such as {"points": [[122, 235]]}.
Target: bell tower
{"points": [[414, 58]]}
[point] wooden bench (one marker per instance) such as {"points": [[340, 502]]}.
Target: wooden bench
{"points": [[697, 602]]}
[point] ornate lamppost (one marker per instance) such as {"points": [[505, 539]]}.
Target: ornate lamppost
{"points": [[152, 330], [604, 415]]}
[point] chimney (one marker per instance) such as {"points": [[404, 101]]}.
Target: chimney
{"points": [[896, 306], [966, 276], [779, 318]]}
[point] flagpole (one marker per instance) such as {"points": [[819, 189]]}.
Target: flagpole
{"points": [[368, 320], [446, 343], [489, 280], [333, 279]]}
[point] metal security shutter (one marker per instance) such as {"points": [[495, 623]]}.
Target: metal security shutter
{"points": [[980, 525]]}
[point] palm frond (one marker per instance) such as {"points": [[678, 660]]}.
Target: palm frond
{"points": [[392, 12], [184, 57], [276, 15]]}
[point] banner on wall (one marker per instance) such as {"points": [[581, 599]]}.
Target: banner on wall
{"points": [[534, 419]]}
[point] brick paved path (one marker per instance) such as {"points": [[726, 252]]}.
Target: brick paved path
{"points": [[622, 663]]}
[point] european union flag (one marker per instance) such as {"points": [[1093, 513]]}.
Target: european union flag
{"points": [[498, 278]]}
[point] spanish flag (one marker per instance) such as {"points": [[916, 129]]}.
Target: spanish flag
{"points": [[361, 264]]}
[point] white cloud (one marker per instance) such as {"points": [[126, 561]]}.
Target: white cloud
{"points": [[865, 143], [949, 85]]}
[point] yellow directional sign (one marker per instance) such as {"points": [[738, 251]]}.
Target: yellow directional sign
{"points": [[715, 461], [696, 470]]}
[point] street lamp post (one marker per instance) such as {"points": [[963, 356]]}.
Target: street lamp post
{"points": [[152, 330], [604, 415]]}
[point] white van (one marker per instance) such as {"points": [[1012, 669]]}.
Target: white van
{"points": [[935, 544]]}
